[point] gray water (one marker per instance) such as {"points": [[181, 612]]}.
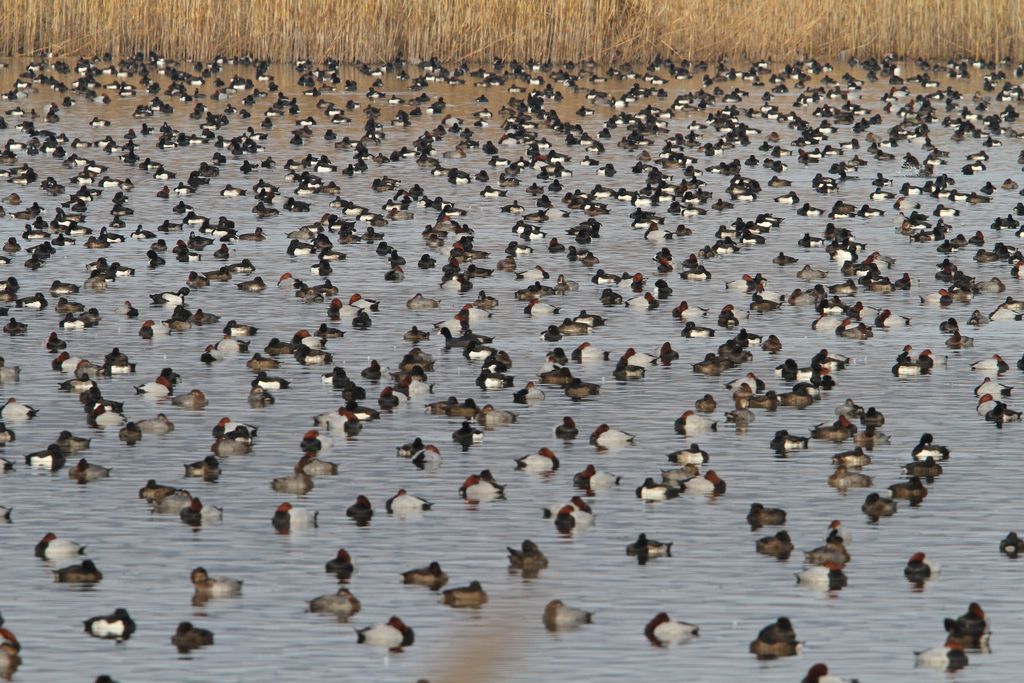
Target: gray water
{"points": [[870, 629]]}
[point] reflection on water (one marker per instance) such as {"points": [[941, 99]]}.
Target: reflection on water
{"points": [[713, 578]]}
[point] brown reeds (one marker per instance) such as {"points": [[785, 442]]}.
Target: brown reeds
{"points": [[478, 30]]}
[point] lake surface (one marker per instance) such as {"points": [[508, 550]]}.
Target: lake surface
{"points": [[868, 630]]}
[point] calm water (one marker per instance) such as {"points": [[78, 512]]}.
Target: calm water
{"points": [[715, 579]]}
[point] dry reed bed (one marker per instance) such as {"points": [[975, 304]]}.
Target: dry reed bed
{"points": [[475, 30]]}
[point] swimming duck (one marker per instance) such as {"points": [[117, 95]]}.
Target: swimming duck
{"points": [[208, 468], [431, 576], [1012, 545], [299, 482], [947, 657], [187, 637], [361, 511], [529, 559], [919, 569], [117, 626], [197, 514], [662, 631], [759, 516], [819, 674], [403, 503], [650, 490], [393, 634], [214, 586], [592, 479], [472, 595], [644, 549], [690, 423], [876, 506], [287, 517], [543, 460], [85, 471], [481, 487], [971, 629], [86, 572], [14, 411], [709, 484], [559, 616], [341, 604], [912, 489], [691, 455], [827, 576], [926, 448], [780, 545], [606, 437], [51, 547], [776, 640]]}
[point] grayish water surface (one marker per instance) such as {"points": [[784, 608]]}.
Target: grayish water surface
{"points": [[869, 630]]}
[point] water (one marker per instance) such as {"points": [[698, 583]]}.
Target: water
{"points": [[714, 579]]}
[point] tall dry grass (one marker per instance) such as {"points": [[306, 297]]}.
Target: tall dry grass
{"points": [[476, 30]]}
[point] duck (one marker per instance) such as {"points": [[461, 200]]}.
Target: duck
{"points": [[472, 595], [117, 626], [481, 487], [10, 660], [776, 640], [926, 448], [592, 479], [193, 400], [187, 637], [14, 411], [709, 484], [650, 490], [971, 629], [784, 442], [780, 545], [431, 576], [949, 656], [543, 460], [403, 503], [287, 518], [920, 569], [912, 489], [84, 471], [759, 516], [833, 551], [571, 518], [827, 576], [528, 559], [340, 565], [818, 673], [995, 364], [50, 458], [214, 587], [662, 630], [1012, 545], [558, 616], [341, 604], [361, 511], [197, 514], [86, 572], [299, 482], [689, 423], [393, 634], [644, 548], [606, 437], [50, 547], [876, 506], [208, 468]]}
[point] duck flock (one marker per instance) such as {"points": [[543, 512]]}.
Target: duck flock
{"points": [[676, 366]]}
